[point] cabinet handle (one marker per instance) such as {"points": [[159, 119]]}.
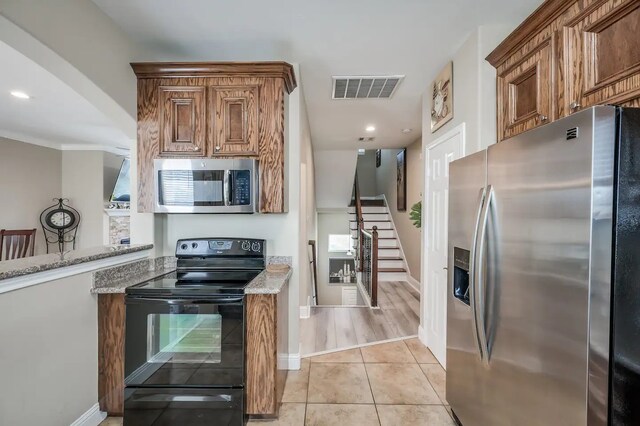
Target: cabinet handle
{"points": [[574, 105], [217, 148], [543, 117], [196, 148]]}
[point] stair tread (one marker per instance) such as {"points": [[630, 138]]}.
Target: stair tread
{"points": [[390, 258], [392, 270], [370, 213], [371, 220]]}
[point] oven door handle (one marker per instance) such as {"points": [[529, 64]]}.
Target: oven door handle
{"points": [[181, 301]]}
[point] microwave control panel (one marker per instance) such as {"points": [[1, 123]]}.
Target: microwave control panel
{"points": [[240, 181]]}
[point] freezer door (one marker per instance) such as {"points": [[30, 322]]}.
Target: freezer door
{"points": [[465, 374], [536, 289]]}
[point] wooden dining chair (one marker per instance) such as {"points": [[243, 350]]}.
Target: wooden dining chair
{"points": [[17, 243]]}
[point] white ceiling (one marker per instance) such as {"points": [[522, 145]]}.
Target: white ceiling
{"points": [[328, 37], [56, 115]]}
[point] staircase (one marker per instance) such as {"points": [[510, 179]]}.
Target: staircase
{"points": [[391, 264]]}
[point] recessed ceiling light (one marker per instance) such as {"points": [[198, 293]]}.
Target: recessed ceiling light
{"points": [[407, 130], [370, 128], [19, 94]]}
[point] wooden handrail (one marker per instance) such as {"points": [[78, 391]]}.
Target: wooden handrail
{"points": [[314, 262], [359, 224], [374, 267]]}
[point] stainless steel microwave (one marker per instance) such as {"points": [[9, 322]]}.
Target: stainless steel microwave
{"points": [[205, 186]]}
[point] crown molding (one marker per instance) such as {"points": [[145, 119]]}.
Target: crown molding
{"points": [[282, 70]]}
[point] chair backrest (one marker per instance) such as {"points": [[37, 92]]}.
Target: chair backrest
{"points": [[17, 243]]}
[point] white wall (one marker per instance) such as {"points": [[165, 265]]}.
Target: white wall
{"points": [[82, 46], [334, 173], [30, 177], [410, 236], [366, 168], [308, 216], [474, 101], [49, 355], [82, 184]]}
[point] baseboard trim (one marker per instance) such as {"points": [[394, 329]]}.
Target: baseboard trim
{"points": [[413, 282], [330, 351], [92, 417], [422, 335], [289, 361], [305, 311]]}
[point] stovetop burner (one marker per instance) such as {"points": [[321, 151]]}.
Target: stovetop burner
{"points": [[199, 283], [208, 267]]}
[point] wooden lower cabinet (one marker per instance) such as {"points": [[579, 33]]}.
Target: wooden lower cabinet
{"points": [[111, 317], [266, 341], [266, 345]]}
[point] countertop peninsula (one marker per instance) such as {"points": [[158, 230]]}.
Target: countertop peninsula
{"points": [[46, 262]]}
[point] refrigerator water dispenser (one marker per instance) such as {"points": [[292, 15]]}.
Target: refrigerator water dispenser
{"points": [[461, 274]]}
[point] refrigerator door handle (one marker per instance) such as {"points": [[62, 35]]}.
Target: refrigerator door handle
{"points": [[478, 279], [472, 275]]}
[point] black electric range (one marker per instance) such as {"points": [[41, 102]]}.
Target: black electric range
{"points": [[184, 336]]}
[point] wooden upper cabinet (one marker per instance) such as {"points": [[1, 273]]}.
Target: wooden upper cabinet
{"points": [[182, 120], [525, 92], [211, 109], [566, 56], [602, 55], [234, 120]]}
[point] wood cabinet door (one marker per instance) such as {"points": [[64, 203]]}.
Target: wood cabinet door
{"points": [[525, 92], [602, 55], [235, 120], [182, 120]]}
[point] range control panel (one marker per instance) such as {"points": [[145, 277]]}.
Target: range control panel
{"points": [[213, 247]]}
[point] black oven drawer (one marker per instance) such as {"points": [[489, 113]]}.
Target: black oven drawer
{"points": [[184, 343], [193, 407]]}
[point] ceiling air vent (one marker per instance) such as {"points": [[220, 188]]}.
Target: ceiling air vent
{"points": [[365, 87]]}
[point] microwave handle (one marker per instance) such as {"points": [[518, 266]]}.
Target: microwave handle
{"points": [[227, 188]]}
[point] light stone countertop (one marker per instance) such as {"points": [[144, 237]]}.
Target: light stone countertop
{"points": [[117, 279], [268, 282], [47, 262]]}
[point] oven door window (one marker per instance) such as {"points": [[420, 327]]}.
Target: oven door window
{"points": [[191, 187], [177, 343], [184, 338]]}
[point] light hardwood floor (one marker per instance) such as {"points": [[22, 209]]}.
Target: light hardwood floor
{"points": [[333, 328]]}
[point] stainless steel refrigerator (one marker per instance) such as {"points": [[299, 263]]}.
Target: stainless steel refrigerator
{"points": [[543, 311]]}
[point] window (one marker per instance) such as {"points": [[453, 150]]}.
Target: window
{"points": [[339, 242]]}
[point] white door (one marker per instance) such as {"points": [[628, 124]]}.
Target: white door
{"points": [[439, 154]]}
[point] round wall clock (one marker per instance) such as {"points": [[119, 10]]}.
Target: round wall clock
{"points": [[60, 218]]}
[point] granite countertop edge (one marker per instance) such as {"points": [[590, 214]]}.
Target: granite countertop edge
{"points": [[268, 282], [30, 265], [120, 286]]}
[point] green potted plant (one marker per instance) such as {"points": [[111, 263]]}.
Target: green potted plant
{"points": [[416, 214]]}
